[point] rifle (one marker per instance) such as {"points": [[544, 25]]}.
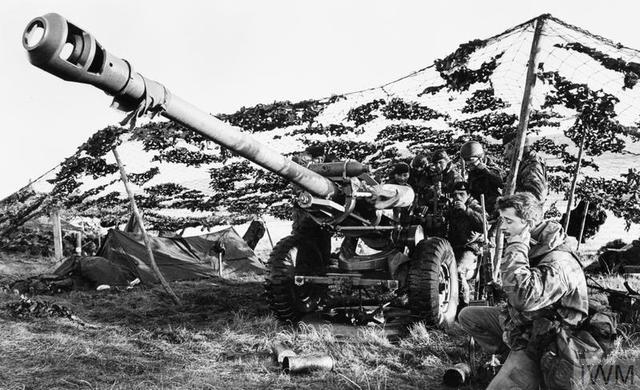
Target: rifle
{"points": [[484, 295], [484, 286]]}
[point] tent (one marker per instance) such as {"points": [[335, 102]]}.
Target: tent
{"points": [[123, 257]]}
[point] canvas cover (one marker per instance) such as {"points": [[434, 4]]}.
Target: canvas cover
{"points": [[123, 257], [92, 271]]}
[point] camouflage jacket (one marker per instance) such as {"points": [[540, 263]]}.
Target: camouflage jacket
{"points": [[541, 280], [487, 181], [532, 176], [465, 226], [448, 178], [422, 183]]}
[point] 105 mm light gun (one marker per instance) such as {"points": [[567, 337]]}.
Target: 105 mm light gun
{"points": [[339, 197]]}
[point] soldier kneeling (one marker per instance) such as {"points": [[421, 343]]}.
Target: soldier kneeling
{"points": [[544, 284], [465, 235]]}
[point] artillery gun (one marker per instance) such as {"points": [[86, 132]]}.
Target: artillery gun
{"points": [[403, 268]]}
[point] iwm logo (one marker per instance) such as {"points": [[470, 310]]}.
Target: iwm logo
{"points": [[617, 375]]}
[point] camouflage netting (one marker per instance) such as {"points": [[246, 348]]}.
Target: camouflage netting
{"points": [[586, 87]]}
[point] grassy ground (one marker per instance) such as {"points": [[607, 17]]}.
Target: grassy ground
{"points": [[220, 338]]}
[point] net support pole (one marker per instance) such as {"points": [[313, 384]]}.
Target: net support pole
{"points": [[574, 182], [145, 236], [79, 243], [584, 220], [521, 136], [268, 233], [57, 234]]}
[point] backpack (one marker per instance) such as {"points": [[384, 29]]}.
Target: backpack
{"points": [[602, 324], [573, 348], [565, 357]]}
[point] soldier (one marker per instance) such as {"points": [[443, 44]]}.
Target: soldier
{"points": [[465, 234], [303, 224], [313, 154], [400, 174], [543, 281], [420, 179], [482, 179], [447, 174], [532, 171]]}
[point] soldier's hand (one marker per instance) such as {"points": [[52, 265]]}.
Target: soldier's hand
{"points": [[458, 204], [523, 237]]}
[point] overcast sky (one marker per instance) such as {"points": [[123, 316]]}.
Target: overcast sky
{"points": [[221, 55]]}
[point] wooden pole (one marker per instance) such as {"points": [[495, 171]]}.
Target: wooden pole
{"points": [[57, 234], [216, 261], [525, 107], [79, 243], [268, 234], [584, 219], [521, 136], [574, 183], [147, 242], [485, 233]]}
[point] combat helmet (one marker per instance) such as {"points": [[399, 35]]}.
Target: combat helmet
{"points": [[471, 149]]}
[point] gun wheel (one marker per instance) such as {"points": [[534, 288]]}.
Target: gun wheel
{"points": [[293, 256], [433, 282]]}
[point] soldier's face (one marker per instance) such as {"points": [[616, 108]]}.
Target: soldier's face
{"points": [[441, 165], [473, 162], [422, 165], [461, 196], [401, 178], [512, 224], [306, 159]]}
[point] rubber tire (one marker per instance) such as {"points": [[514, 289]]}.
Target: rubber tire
{"points": [[286, 300], [430, 257]]}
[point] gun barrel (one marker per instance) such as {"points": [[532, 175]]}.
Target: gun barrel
{"points": [[66, 51]]}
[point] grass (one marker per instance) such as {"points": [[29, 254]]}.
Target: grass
{"points": [[220, 338]]}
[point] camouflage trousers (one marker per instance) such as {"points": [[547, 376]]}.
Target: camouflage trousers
{"points": [[518, 371]]}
